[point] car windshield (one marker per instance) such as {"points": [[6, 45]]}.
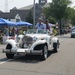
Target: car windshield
{"points": [[42, 32], [35, 31], [31, 31]]}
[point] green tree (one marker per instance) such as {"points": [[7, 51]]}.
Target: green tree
{"points": [[52, 19], [48, 16], [46, 11], [58, 9], [73, 19], [72, 15]]}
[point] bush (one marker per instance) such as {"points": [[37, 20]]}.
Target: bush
{"points": [[55, 32]]}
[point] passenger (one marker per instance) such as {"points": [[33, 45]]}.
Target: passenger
{"points": [[49, 26], [40, 24]]}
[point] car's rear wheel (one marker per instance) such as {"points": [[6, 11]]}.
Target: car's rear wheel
{"points": [[55, 47], [44, 52]]}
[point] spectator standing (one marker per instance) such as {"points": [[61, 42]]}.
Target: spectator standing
{"points": [[6, 32], [13, 31]]}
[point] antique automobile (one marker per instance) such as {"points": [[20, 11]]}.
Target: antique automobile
{"points": [[34, 42]]}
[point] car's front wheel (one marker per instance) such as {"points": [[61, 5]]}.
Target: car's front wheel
{"points": [[44, 52], [9, 56]]}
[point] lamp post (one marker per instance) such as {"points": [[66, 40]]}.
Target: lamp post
{"points": [[34, 15]]}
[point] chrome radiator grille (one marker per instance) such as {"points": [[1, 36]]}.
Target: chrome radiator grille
{"points": [[27, 40]]}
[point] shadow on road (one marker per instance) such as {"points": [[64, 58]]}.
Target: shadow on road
{"points": [[27, 58], [3, 59], [31, 58], [51, 52]]}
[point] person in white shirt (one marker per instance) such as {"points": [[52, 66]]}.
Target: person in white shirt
{"points": [[49, 26], [40, 24]]}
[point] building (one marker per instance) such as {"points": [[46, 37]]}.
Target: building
{"points": [[24, 12], [42, 2]]}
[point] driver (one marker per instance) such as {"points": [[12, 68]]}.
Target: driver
{"points": [[40, 24]]}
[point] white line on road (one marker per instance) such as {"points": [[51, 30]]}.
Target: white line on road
{"points": [[5, 61], [8, 60]]}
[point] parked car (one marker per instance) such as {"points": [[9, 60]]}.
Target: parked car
{"points": [[35, 42], [72, 33], [73, 28]]}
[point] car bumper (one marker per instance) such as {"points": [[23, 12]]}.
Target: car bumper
{"points": [[23, 51]]}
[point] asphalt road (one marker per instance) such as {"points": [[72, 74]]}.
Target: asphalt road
{"points": [[61, 63]]}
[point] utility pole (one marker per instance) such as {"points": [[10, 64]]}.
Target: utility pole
{"points": [[6, 5], [34, 15]]}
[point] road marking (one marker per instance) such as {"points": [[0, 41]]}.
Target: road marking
{"points": [[15, 57], [5, 61]]}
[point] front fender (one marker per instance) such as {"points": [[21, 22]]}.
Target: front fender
{"points": [[55, 40], [38, 43], [11, 42]]}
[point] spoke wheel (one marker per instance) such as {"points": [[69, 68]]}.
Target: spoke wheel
{"points": [[44, 52]]}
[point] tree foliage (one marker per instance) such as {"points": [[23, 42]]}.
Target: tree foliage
{"points": [[58, 8], [48, 15], [46, 11], [52, 19], [73, 17]]}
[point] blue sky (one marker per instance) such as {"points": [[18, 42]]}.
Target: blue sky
{"points": [[19, 3]]}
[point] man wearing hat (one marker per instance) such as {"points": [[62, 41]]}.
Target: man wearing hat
{"points": [[40, 24]]}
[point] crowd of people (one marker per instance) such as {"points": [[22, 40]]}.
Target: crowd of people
{"points": [[6, 32], [39, 25], [53, 28], [10, 31]]}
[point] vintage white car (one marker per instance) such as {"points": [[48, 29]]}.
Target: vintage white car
{"points": [[35, 42]]}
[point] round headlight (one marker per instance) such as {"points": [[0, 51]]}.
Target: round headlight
{"points": [[34, 38]]}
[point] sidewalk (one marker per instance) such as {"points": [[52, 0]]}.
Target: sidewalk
{"points": [[68, 35], [2, 45]]}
